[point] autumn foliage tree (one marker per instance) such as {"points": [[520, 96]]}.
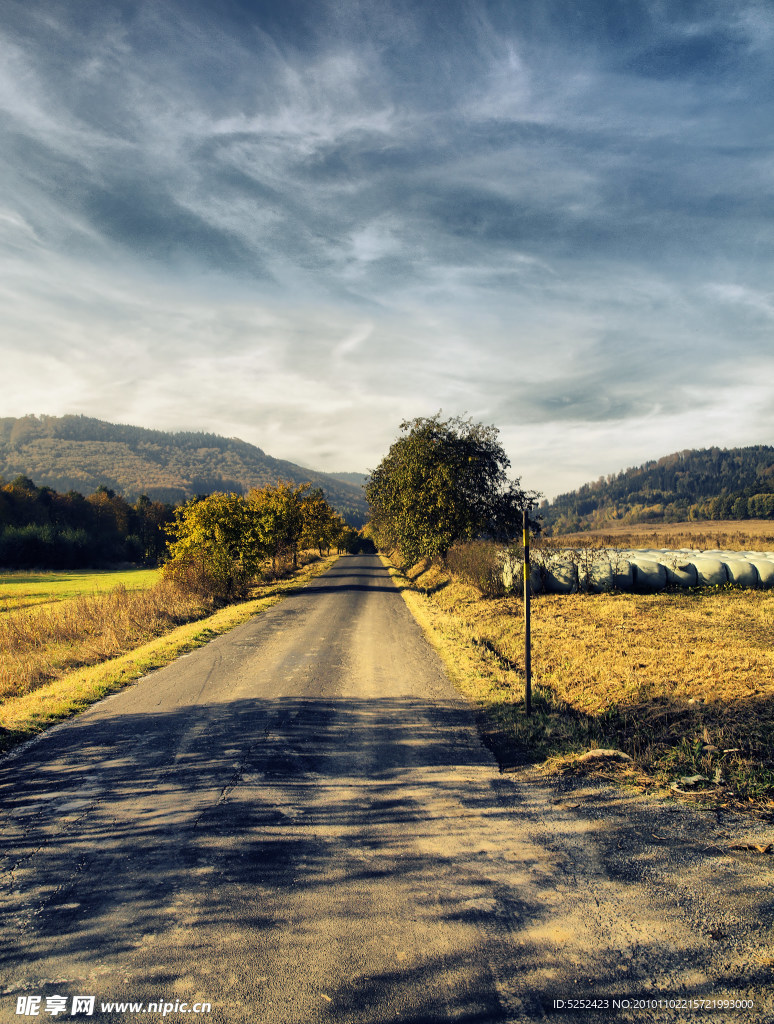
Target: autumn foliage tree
{"points": [[278, 514], [215, 547], [323, 526], [219, 544]]}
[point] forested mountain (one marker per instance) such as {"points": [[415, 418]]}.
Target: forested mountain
{"points": [[355, 479], [708, 483], [81, 454]]}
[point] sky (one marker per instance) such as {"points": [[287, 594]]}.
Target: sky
{"points": [[300, 223]]}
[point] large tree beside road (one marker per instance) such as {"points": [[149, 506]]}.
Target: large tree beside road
{"points": [[443, 481]]}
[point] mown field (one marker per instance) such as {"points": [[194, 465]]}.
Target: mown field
{"points": [[27, 589], [682, 682], [730, 535], [67, 639]]}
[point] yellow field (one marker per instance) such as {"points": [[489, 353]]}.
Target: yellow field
{"points": [[728, 535], [42, 643], [682, 682]]}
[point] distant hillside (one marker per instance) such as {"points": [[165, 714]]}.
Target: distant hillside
{"points": [[79, 453], [708, 483], [354, 479]]}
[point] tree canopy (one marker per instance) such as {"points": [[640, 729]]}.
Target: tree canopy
{"points": [[215, 541], [323, 526], [444, 481]]}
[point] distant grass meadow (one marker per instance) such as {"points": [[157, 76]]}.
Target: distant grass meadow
{"points": [[69, 638], [26, 589], [683, 682]]}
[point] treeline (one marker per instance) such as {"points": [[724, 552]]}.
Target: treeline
{"points": [[712, 483], [220, 544], [20, 430], [42, 528]]}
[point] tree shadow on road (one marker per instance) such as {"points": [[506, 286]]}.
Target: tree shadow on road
{"points": [[301, 860]]}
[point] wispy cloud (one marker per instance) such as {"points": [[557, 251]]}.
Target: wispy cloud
{"points": [[301, 222]]}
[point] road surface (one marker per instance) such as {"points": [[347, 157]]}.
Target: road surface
{"points": [[298, 823]]}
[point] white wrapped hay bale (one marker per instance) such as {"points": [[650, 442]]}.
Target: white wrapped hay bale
{"points": [[560, 576], [601, 578], [512, 575], [595, 575], [511, 571], [648, 575], [765, 569], [621, 570], [535, 579], [648, 570], [710, 572], [623, 576], [680, 572], [741, 572]]}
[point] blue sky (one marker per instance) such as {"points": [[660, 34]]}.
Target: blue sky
{"points": [[299, 223]]}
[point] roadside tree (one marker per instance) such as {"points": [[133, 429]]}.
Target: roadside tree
{"points": [[444, 481], [323, 526], [278, 517], [215, 548]]}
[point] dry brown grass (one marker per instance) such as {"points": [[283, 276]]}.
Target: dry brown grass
{"points": [[74, 689], [662, 677], [40, 644], [46, 640], [730, 535]]}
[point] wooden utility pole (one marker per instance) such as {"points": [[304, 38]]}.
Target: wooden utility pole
{"points": [[527, 637]]}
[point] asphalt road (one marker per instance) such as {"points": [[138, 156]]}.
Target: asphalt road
{"points": [[299, 823]]}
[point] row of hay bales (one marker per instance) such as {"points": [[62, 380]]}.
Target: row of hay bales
{"points": [[644, 570]]}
